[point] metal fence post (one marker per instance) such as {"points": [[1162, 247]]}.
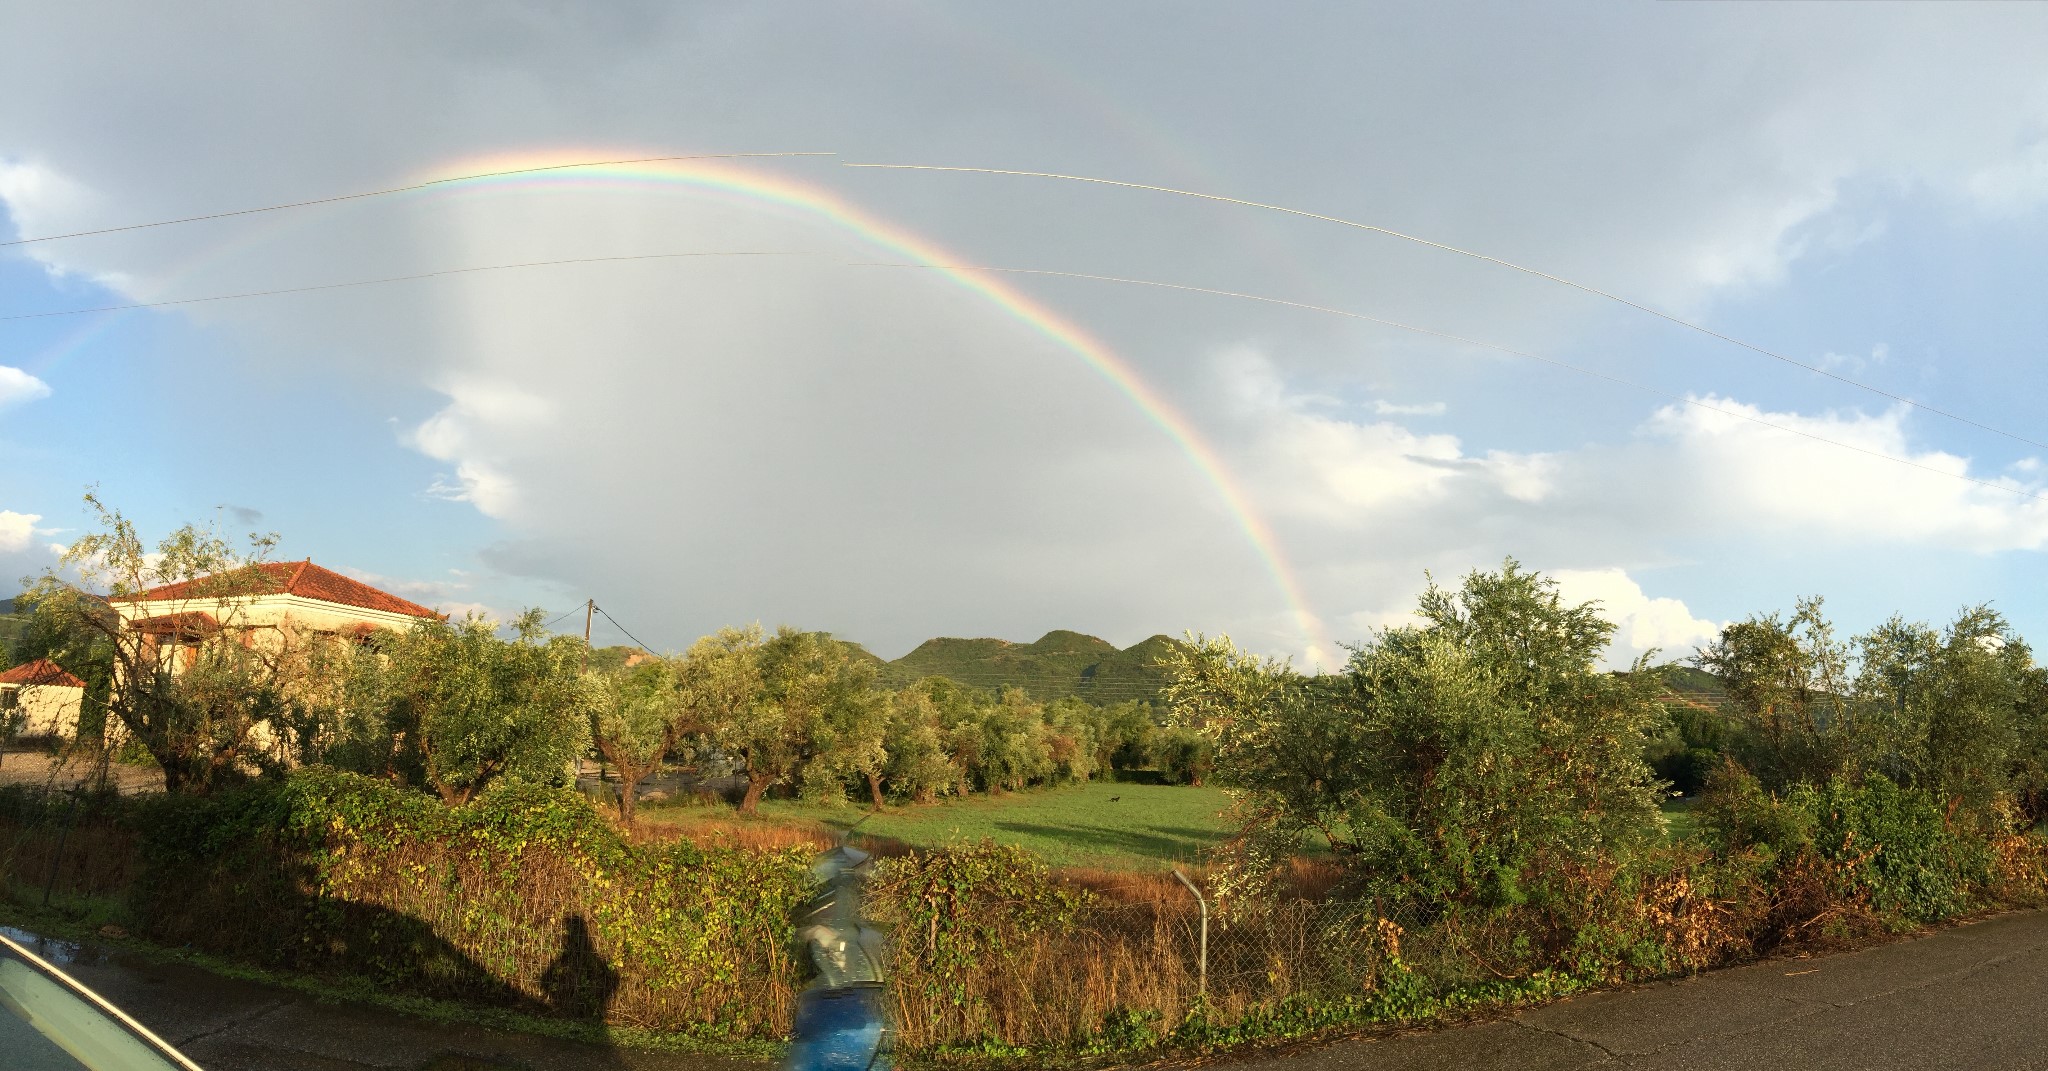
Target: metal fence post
{"points": [[1203, 961]]}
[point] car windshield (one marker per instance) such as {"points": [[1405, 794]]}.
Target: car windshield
{"points": [[51, 1023]]}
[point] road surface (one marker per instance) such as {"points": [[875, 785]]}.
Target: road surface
{"points": [[1974, 997]]}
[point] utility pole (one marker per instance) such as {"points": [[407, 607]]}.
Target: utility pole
{"points": [[589, 606]]}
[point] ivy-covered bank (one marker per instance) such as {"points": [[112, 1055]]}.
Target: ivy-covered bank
{"points": [[530, 900]]}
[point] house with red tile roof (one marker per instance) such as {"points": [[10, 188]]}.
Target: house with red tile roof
{"points": [[268, 607], [265, 606], [44, 697]]}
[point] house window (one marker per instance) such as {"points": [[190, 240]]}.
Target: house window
{"points": [[10, 698]]}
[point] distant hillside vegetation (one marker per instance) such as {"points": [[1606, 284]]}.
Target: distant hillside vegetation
{"points": [[1691, 680], [11, 625], [1057, 664]]}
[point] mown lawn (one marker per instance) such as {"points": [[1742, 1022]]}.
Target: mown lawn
{"points": [[1106, 825]]}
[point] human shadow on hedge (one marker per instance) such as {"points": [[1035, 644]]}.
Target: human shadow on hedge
{"points": [[234, 890]]}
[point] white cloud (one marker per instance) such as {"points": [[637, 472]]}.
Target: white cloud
{"points": [[1642, 622], [2014, 186], [1310, 464], [1755, 246], [17, 386], [38, 197], [479, 412], [1784, 479], [1386, 408], [17, 530], [1879, 354]]}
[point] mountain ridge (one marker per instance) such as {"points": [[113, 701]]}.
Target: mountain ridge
{"points": [[1059, 664]]}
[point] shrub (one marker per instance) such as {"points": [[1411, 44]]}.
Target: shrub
{"points": [[1478, 759], [1735, 816], [1898, 846]]}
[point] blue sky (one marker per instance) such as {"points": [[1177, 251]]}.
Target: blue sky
{"points": [[884, 455]]}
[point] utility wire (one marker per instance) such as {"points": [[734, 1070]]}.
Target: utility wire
{"points": [[401, 189], [1559, 279], [563, 616], [1122, 280], [386, 279], [1483, 345], [615, 624]]}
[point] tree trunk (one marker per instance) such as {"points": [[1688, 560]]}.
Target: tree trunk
{"points": [[629, 791], [630, 774], [756, 784], [875, 789]]}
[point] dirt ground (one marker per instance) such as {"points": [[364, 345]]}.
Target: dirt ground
{"points": [[40, 768]]}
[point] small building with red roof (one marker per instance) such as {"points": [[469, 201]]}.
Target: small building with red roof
{"points": [[45, 697]]}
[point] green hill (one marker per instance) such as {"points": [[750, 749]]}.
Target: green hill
{"points": [[1686, 679], [11, 625], [1057, 664]]}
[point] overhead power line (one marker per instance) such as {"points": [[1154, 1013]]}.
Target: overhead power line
{"points": [[559, 618], [1559, 279], [387, 279], [1684, 399], [401, 189], [644, 645], [1117, 279]]}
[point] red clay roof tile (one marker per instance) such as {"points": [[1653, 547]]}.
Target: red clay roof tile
{"points": [[302, 578], [42, 672]]}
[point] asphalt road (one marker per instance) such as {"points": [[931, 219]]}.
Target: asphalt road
{"points": [[224, 1024], [1973, 997]]}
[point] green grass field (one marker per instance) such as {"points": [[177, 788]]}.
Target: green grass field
{"points": [[1108, 825], [1679, 822]]}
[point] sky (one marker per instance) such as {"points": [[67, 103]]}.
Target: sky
{"points": [[830, 414]]}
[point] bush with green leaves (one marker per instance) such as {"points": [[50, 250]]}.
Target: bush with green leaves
{"points": [[1899, 846], [1736, 816], [1474, 759], [1943, 708], [1789, 682]]}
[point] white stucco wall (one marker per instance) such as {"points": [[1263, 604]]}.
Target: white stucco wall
{"points": [[269, 611], [47, 709]]}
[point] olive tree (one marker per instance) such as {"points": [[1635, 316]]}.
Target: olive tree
{"points": [[918, 765], [638, 714], [812, 693], [481, 709], [182, 684]]}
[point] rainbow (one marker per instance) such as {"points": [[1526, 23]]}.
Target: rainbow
{"points": [[810, 202]]}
